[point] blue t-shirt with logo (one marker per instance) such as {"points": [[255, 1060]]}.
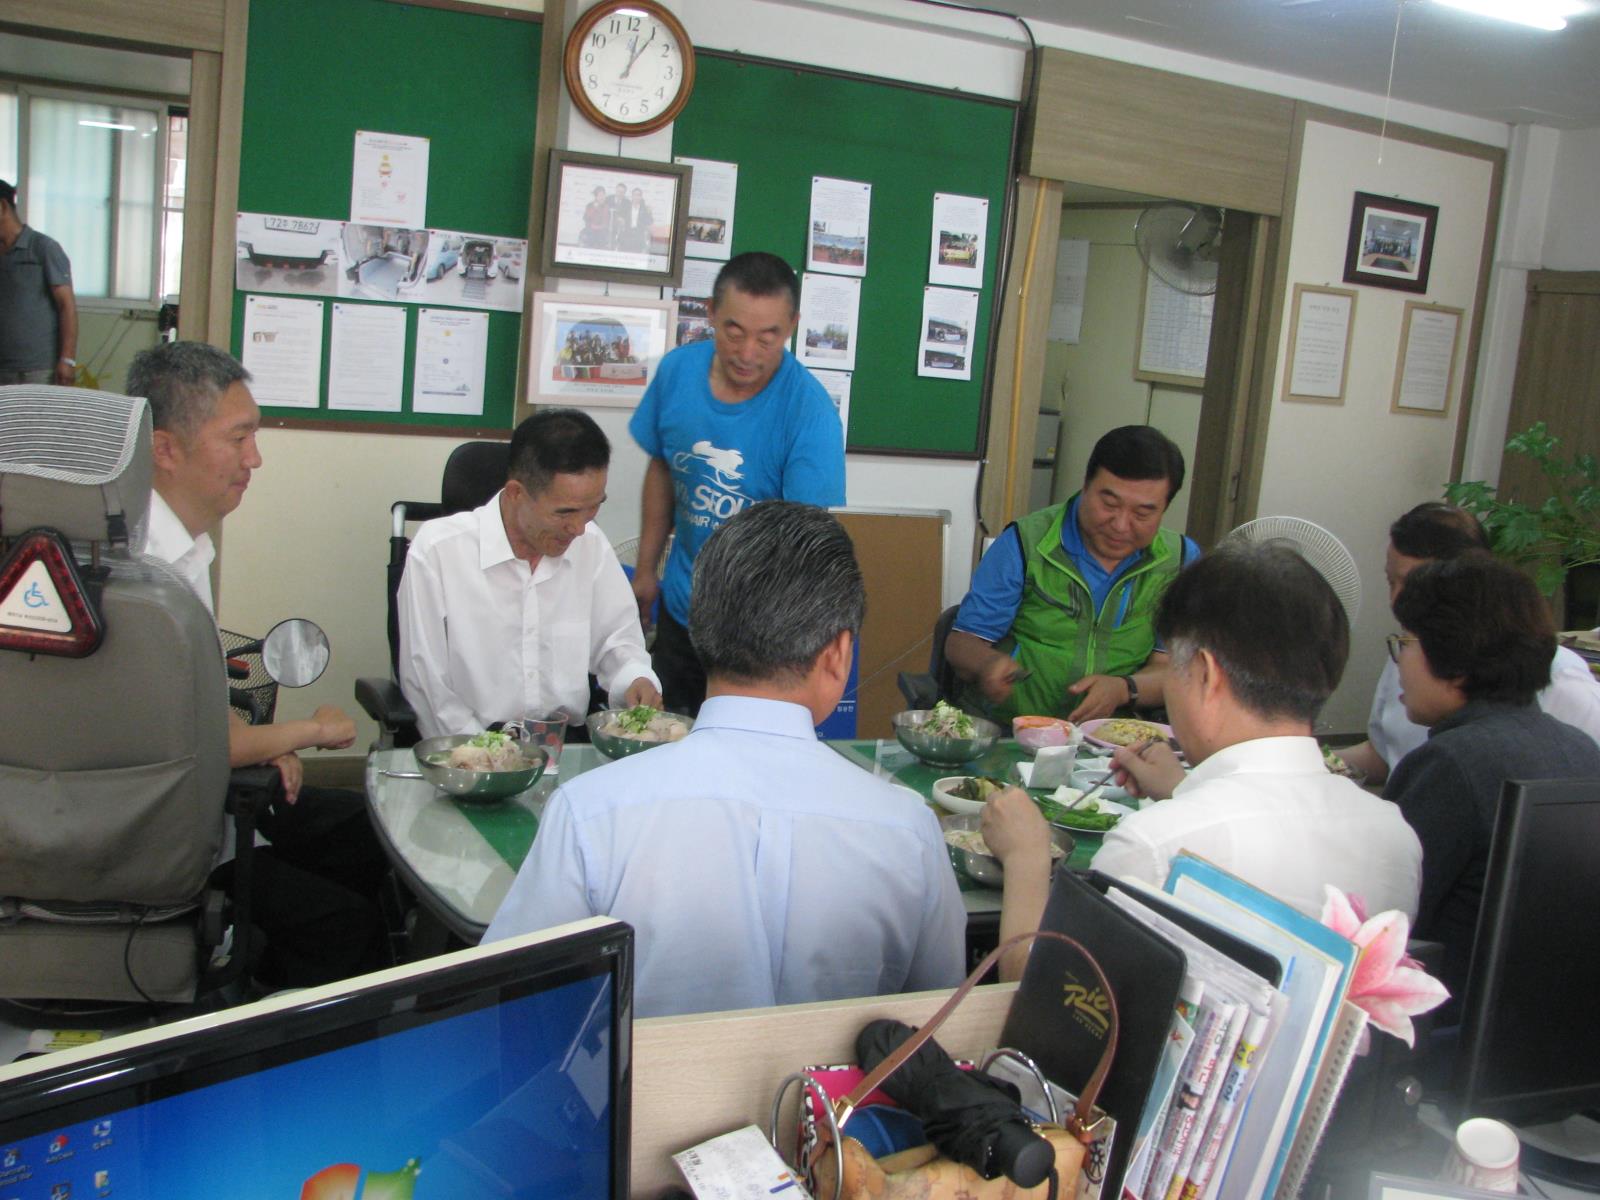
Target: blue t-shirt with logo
{"points": [[784, 443]]}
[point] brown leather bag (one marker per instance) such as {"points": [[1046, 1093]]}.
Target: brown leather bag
{"points": [[922, 1172]]}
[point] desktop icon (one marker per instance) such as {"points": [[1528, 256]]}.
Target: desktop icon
{"points": [[9, 1158], [102, 1129], [61, 1191], [58, 1143], [102, 1181]]}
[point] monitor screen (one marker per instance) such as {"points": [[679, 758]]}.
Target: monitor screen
{"points": [[1530, 1046], [500, 1071]]}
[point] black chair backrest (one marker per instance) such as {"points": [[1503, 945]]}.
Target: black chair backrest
{"points": [[944, 675]]}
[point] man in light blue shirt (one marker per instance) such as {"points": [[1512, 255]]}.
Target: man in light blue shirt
{"points": [[758, 866]]}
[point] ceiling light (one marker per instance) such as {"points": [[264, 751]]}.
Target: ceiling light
{"points": [[1541, 14], [107, 125]]}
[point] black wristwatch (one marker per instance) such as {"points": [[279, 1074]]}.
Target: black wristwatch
{"points": [[1133, 689]]}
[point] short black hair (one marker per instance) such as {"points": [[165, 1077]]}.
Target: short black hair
{"points": [[8, 193], [1482, 624], [556, 441], [757, 273], [1438, 530], [1271, 620], [1138, 452], [183, 382]]}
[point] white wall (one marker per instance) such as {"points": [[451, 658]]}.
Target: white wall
{"points": [[1570, 243], [1352, 468]]}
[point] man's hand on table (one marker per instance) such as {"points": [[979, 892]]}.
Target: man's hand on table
{"points": [[1015, 831], [646, 589], [1153, 771], [642, 691], [1100, 696], [335, 729]]}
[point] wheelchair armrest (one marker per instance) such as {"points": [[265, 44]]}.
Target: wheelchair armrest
{"points": [[250, 791], [920, 689], [383, 701]]}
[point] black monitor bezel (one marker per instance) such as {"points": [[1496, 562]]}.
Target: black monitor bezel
{"points": [[1472, 1093], [59, 1090]]}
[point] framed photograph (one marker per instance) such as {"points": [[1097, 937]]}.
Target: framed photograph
{"points": [[1426, 369], [1391, 243], [620, 220], [596, 350]]}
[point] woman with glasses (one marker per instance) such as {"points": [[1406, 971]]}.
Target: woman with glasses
{"points": [[1474, 651]]}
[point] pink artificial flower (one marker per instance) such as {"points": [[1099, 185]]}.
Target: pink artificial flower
{"points": [[1388, 984]]}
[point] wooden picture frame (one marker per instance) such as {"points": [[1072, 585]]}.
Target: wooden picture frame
{"points": [[596, 350], [1391, 242], [1317, 365], [618, 220], [1425, 369]]}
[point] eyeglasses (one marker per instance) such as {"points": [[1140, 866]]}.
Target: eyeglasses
{"points": [[1394, 641]]}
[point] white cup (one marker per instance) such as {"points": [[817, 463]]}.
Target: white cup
{"points": [[1483, 1156]]}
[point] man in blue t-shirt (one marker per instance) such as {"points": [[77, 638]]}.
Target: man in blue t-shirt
{"points": [[726, 423]]}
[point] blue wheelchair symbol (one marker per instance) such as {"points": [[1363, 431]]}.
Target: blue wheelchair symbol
{"points": [[34, 598]]}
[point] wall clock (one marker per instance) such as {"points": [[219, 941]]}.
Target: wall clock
{"points": [[629, 66]]}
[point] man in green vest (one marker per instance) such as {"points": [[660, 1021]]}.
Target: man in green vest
{"points": [[1060, 619]]}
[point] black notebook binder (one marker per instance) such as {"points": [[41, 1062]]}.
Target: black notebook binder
{"points": [[1247, 954], [1058, 1019]]}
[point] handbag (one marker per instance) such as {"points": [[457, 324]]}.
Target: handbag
{"points": [[837, 1167]]}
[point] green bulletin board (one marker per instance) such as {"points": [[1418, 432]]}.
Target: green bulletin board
{"points": [[319, 70], [784, 124]]}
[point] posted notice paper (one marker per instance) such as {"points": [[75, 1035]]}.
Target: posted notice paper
{"points": [[837, 239], [447, 375], [829, 305], [389, 180], [367, 357], [283, 350], [1072, 278], [956, 257], [837, 385], [949, 318], [711, 194]]}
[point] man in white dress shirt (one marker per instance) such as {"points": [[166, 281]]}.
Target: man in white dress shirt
{"points": [[314, 890], [1258, 643], [1429, 532], [507, 609], [758, 866]]}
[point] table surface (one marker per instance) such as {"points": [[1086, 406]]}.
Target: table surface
{"points": [[460, 859]]}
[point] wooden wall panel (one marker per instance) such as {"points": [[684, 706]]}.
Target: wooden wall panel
{"points": [[1142, 130], [140, 24], [1558, 375]]}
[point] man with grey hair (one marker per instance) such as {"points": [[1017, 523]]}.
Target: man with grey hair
{"points": [[758, 866], [313, 893]]}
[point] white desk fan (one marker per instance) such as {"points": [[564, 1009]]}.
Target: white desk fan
{"points": [[1318, 547]]}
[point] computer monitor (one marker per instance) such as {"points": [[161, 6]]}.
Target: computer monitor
{"points": [[500, 1071], [1530, 1043]]}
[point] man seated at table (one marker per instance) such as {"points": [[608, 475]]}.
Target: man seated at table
{"points": [[1435, 532], [314, 891], [1258, 642], [1060, 616], [758, 865], [507, 609]]}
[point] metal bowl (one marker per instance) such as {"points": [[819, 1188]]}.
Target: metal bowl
{"points": [[613, 746], [943, 751], [475, 787], [985, 868]]}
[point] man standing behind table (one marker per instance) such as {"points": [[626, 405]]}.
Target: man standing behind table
{"points": [[757, 865], [38, 314], [727, 423], [314, 892], [1060, 619], [505, 610], [1258, 641]]}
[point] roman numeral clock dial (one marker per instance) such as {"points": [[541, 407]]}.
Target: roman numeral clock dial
{"points": [[629, 66]]}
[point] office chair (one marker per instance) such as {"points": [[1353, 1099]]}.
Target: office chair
{"points": [[473, 473], [114, 781], [940, 682]]}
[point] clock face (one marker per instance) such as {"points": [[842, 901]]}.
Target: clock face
{"points": [[629, 66]]}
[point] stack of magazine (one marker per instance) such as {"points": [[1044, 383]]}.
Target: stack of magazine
{"points": [[1235, 1032]]}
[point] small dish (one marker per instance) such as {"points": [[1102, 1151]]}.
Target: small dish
{"points": [[1091, 728], [944, 796], [1034, 733]]}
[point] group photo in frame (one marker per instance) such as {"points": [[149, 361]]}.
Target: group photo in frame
{"points": [[620, 220], [1391, 242], [595, 349]]}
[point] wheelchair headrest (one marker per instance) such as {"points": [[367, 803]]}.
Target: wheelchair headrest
{"points": [[77, 461]]}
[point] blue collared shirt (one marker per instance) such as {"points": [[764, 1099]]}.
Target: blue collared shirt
{"points": [[757, 866], [991, 603]]}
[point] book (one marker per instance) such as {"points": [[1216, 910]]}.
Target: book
{"points": [[1341, 1052]]}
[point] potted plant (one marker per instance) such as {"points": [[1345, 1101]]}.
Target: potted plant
{"points": [[1560, 538]]}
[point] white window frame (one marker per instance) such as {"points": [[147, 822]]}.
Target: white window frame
{"points": [[26, 93]]}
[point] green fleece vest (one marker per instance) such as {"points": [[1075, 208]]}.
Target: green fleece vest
{"points": [[1058, 635]]}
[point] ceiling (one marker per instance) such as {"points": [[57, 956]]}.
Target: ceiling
{"points": [[1446, 58]]}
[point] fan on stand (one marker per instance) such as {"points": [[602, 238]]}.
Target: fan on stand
{"points": [[1318, 547], [1180, 244]]}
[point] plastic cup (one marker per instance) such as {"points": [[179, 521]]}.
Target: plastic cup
{"points": [[547, 730]]}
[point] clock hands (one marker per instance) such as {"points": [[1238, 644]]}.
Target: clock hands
{"points": [[635, 57]]}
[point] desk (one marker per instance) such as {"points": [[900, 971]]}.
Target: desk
{"points": [[460, 860]]}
